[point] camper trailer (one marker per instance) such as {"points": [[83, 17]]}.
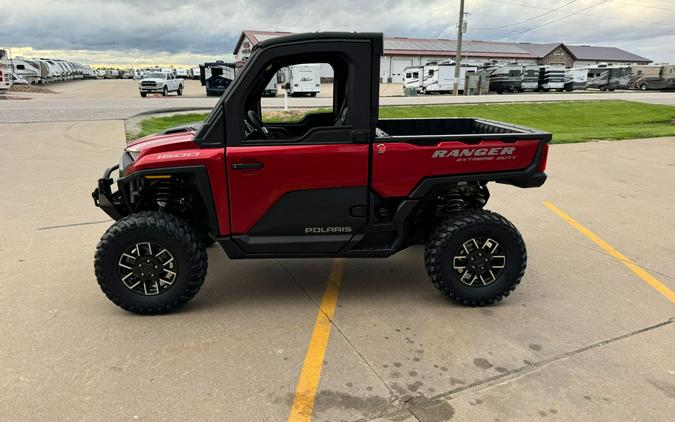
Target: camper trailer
{"points": [[552, 77], [656, 76], [413, 78], [608, 78], [576, 78], [216, 77], [303, 79], [195, 73], [530, 78], [182, 73], [26, 69], [440, 77], [506, 78]]}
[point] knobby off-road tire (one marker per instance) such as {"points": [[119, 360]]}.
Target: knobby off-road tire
{"points": [[445, 254], [165, 241]]}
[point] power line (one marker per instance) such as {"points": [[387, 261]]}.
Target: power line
{"points": [[644, 6], [586, 14], [526, 20], [559, 19]]}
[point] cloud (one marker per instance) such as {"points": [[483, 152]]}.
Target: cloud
{"points": [[127, 31]]}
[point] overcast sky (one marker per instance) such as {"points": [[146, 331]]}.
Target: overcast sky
{"points": [[187, 32]]}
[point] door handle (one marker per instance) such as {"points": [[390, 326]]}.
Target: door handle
{"points": [[247, 166]]}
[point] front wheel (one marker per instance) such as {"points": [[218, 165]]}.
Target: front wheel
{"points": [[475, 257], [643, 87], [144, 94], [164, 91], [150, 263]]}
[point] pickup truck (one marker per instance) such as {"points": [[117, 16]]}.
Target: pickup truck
{"points": [[160, 82], [340, 183]]}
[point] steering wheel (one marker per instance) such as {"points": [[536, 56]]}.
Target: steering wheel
{"points": [[254, 124]]}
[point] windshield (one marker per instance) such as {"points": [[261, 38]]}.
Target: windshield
{"points": [[156, 75]]}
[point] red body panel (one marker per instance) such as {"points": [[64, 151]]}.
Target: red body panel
{"points": [[289, 168], [398, 166], [178, 150]]}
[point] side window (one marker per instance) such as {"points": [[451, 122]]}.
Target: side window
{"points": [[408, 75], [416, 74], [319, 88], [431, 72]]}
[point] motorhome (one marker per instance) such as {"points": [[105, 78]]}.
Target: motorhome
{"points": [[530, 78], [652, 76], [507, 78], [440, 77], [576, 78], [608, 78], [552, 77], [303, 79], [216, 76], [413, 77]]}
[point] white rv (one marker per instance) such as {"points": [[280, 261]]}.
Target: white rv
{"points": [[576, 78], [195, 73], [26, 69], [303, 79], [413, 77], [552, 77], [440, 77], [182, 73]]}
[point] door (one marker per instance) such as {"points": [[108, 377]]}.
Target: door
{"points": [[398, 69], [300, 186]]}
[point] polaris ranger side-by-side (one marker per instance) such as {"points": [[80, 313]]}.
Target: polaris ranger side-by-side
{"points": [[341, 183]]}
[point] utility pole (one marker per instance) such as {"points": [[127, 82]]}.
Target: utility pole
{"points": [[458, 56]]}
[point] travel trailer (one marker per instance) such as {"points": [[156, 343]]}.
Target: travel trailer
{"points": [[303, 79], [530, 78], [26, 69], [507, 78], [552, 77], [216, 77], [195, 73], [576, 78], [608, 78], [182, 73], [440, 77], [652, 76], [413, 77]]}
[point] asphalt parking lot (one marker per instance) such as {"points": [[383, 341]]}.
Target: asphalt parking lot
{"points": [[119, 99], [587, 335]]}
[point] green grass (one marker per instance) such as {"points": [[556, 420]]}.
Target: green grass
{"points": [[569, 121]]}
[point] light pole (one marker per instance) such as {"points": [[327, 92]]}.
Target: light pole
{"points": [[458, 56]]}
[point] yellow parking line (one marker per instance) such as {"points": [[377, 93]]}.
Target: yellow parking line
{"points": [[305, 391], [635, 268]]}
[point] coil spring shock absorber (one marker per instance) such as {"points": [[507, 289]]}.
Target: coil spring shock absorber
{"points": [[163, 195], [454, 202]]}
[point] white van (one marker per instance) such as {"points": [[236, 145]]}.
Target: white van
{"points": [[303, 79]]}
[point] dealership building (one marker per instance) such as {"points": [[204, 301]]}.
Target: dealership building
{"points": [[400, 53]]}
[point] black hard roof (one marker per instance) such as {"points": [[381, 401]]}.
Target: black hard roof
{"points": [[375, 37]]}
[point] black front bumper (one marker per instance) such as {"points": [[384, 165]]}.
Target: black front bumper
{"points": [[104, 197]]}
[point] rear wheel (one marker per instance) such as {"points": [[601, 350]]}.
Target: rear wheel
{"points": [[476, 257], [180, 90], [643, 87], [150, 263]]}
